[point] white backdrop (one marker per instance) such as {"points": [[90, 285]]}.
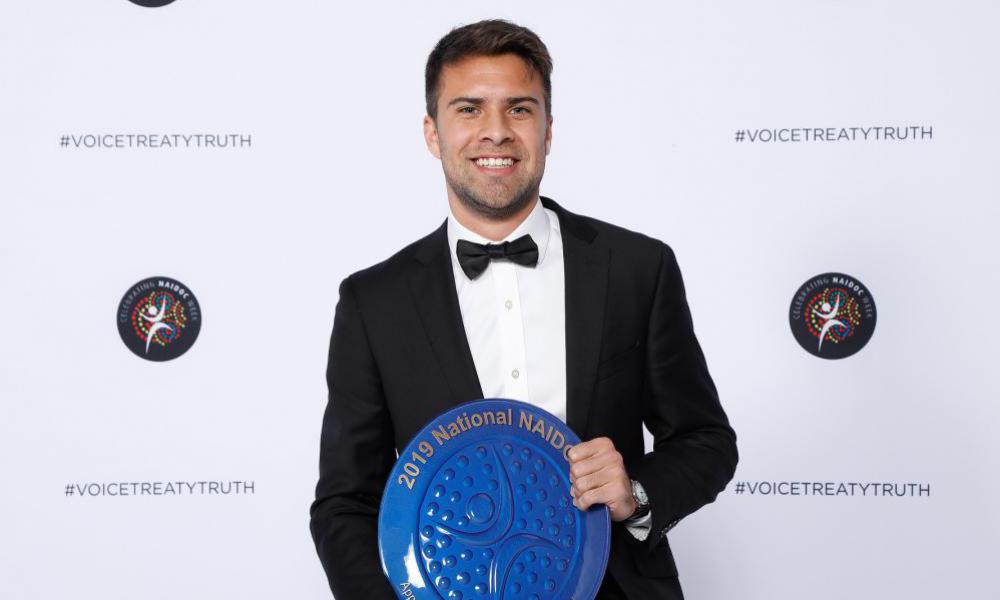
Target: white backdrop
{"points": [[329, 174]]}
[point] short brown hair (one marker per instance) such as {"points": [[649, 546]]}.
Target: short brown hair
{"points": [[490, 37]]}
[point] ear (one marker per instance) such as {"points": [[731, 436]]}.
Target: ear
{"points": [[548, 135], [431, 136]]}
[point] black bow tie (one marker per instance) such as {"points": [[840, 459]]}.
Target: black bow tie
{"points": [[474, 258]]}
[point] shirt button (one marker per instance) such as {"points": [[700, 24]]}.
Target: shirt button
{"points": [[515, 373], [508, 304]]}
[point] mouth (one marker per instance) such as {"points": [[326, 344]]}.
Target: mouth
{"points": [[496, 165]]}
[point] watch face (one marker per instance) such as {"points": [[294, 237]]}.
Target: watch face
{"points": [[640, 493]]}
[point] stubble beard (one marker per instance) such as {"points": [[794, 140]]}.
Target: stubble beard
{"points": [[494, 203]]}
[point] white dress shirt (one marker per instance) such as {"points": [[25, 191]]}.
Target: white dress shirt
{"points": [[515, 321]]}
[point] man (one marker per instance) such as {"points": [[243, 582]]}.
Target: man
{"points": [[514, 296]]}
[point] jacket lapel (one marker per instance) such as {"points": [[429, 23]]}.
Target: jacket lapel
{"points": [[585, 262], [432, 285]]}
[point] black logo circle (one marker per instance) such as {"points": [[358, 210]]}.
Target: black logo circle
{"points": [[832, 315], [151, 3], [159, 318]]}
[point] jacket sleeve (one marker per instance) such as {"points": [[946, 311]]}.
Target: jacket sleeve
{"points": [[694, 448], [357, 452]]}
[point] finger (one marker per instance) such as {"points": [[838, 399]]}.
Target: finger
{"points": [[612, 471], [610, 494], [594, 464], [589, 448]]}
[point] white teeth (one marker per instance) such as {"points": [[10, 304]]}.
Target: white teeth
{"points": [[495, 163]]}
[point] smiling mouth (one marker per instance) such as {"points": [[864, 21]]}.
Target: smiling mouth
{"points": [[505, 162]]}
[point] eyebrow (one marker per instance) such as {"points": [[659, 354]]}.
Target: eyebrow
{"points": [[509, 101]]}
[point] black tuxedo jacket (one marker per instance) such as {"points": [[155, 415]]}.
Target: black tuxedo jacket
{"points": [[399, 357]]}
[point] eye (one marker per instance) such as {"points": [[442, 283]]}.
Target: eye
{"points": [[520, 111], [468, 110]]}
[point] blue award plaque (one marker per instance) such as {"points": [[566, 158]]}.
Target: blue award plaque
{"points": [[479, 506]]}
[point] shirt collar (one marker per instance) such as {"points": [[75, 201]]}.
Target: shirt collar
{"points": [[536, 224]]}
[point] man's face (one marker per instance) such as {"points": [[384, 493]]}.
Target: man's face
{"points": [[491, 133]]}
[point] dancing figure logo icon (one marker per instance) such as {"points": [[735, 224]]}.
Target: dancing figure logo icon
{"points": [[159, 319], [832, 315]]}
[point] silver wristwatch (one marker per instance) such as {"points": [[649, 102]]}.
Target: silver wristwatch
{"points": [[641, 501]]}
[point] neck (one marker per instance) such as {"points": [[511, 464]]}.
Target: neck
{"points": [[490, 229]]}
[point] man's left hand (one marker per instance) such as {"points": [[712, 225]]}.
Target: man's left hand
{"points": [[597, 472]]}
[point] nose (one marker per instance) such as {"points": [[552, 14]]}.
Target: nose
{"points": [[496, 128]]}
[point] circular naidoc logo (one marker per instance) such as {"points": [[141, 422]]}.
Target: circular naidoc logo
{"points": [[151, 3], [832, 315], [159, 318]]}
